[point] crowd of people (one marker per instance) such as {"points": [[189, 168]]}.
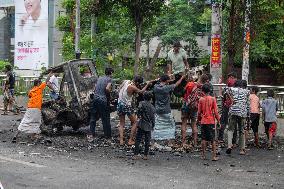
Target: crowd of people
{"points": [[153, 117], [153, 120]]}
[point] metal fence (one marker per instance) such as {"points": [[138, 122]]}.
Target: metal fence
{"points": [[24, 83]]}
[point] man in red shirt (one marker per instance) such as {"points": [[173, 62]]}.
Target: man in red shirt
{"points": [[207, 113]]}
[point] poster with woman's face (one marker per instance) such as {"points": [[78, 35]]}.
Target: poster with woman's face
{"points": [[31, 34]]}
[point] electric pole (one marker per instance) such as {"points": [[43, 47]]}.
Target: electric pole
{"points": [[216, 45], [77, 31], [245, 69]]}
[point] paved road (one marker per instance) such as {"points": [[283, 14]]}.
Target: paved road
{"points": [[69, 163], [18, 170]]}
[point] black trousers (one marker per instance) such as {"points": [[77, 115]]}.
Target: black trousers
{"points": [[224, 122], [147, 139], [100, 109]]}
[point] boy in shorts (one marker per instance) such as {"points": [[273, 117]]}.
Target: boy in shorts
{"points": [[269, 109], [207, 113], [254, 113]]}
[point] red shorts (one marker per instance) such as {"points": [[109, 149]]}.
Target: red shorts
{"points": [[272, 129]]}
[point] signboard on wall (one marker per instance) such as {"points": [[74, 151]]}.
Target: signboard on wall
{"points": [[31, 34]]}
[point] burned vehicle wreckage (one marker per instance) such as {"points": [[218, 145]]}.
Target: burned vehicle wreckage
{"points": [[72, 108], [75, 96]]}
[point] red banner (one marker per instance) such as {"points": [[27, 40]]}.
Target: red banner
{"points": [[216, 57]]}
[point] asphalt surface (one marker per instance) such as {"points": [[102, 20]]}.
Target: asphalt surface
{"points": [[69, 161]]}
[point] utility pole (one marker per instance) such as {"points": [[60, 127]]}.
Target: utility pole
{"points": [[77, 31], [216, 38], [245, 69]]}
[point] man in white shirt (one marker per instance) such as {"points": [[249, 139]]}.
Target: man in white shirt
{"points": [[54, 86], [178, 66], [177, 60]]}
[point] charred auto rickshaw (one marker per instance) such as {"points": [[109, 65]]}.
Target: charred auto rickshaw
{"points": [[72, 106]]}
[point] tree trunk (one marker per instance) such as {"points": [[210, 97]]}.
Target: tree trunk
{"points": [[154, 60], [231, 46], [137, 46], [245, 68]]}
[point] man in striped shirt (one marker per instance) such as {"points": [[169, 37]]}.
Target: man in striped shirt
{"points": [[238, 113]]}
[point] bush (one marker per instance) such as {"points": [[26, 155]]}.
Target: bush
{"points": [[3, 64]]}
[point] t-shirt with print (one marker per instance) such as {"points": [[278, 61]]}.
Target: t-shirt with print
{"points": [[163, 98], [177, 60], [254, 104], [35, 96], [241, 105]]}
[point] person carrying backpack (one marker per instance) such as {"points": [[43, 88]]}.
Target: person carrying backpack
{"points": [[226, 103], [190, 107]]}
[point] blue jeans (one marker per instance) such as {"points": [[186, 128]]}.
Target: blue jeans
{"points": [[100, 109], [53, 95]]}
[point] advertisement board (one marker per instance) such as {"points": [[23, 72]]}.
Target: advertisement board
{"points": [[31, 34], [6, 3], [216, 58]]}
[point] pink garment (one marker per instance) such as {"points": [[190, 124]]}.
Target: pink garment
{"points": [[254, 104]]}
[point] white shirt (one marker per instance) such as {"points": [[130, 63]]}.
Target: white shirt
{"points": [[54, 83], [177, 60]]}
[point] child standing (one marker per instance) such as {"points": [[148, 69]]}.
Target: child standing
{"points": [[146, 123], [207, 113], [269, 109], [254, 113]]}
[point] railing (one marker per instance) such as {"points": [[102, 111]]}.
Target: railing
{"points": [[25, 83]]}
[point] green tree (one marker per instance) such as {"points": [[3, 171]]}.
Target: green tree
{"points": [[142, 13]]}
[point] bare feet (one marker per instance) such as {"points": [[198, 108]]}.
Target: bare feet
{"points": [[131, 142], [135, 157], [186, 146], [242, 152], [145, 157], [215, 158]]}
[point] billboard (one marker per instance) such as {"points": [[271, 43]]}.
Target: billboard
{"points": [[31, 34], [6, 3]]}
